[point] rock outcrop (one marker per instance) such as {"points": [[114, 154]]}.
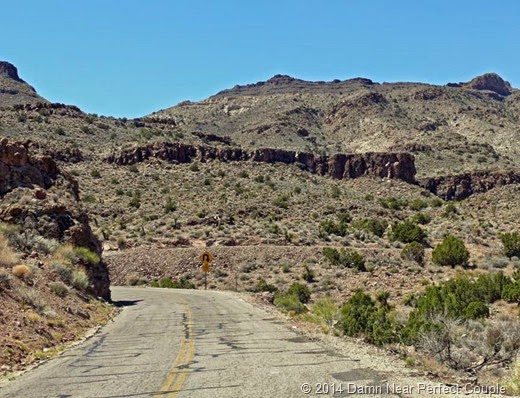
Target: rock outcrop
{"points": [[25, 201], [10, 71], [461, 186], [13, 90], [341, 166], [491, 82]]}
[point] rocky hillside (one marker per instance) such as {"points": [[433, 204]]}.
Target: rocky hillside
{"points": [[450, 129], [13, 90]]}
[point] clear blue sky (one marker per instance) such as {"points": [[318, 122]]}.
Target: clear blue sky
{"points": [[129, 58]]}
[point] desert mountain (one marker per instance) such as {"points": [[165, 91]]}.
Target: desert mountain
{"points": [[13, 90], [478, 119]]}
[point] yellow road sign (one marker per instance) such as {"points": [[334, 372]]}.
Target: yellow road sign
{"points": [[205, 267], [206, 257]]}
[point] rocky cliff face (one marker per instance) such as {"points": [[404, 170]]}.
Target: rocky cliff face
{"points": [[461, 186], [14, 90], [341, 166], [26, 201]]}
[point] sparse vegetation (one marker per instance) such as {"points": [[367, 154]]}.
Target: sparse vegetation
{"points": [[451, 251]]}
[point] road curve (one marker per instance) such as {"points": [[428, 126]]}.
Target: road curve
{"points": [[188, 343]]}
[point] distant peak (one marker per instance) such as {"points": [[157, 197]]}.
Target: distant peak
{"points": [[282, 79], [9, 70], [491, 82]]}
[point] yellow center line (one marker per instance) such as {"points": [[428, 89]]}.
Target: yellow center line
{"points": [[175, 379]]}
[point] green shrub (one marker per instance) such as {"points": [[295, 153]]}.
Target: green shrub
{"points": [[308, 274], [421, 218], [166, 282], [281, 201], [407, 232], [451, 251], [170, 206], [458, 298], [450, 209], [393, 203], [301, 291], [418, 204], [413, 251], [5, 279], [356, 313], [327, 310], [263, 286], [95, 173], [511, 243], [80, 280], [331, 254], [372, 225], [345, 258], [289, 303], [64, 273], [87, 256], [59, 289], [362, 316], [476, 310]]}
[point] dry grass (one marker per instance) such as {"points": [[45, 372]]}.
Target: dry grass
{"points": [[8, 256], [22, 271]]}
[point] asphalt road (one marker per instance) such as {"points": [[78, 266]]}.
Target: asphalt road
{"points": [[188, 343]]}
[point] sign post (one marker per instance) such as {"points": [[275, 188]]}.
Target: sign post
{"points": [[206, 259]]}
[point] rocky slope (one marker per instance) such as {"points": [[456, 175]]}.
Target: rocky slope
{"points": [[13, 90], [339, 166], [41, 199], [464, 125]]}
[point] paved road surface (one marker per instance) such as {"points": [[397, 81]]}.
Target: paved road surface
{"points": [[185, 343]]}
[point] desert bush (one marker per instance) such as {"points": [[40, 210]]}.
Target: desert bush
{"points": [[511, 243], [451, 251], [32, 298], [407, 232], [263, 286], [86, 256], [80, 280], [289, 303], [372, 225], [59, 289], [462, 298], [170, 206], [449, 210], [281, 201], [418, 204], [301, 291], [5, 279], [471, 346], [393, 203], [8, 257], [421, 218], [327, 310], [308, 274], [413, 252], [22, 271], [345, 258], [476, 310], [339, 227], [362, 316], [95, 173], [64, 273]]}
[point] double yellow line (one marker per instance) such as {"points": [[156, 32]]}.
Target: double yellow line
{"points": [[173, 383]]}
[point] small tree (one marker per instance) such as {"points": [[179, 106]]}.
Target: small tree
{"points": [[511, 242], [407, 232], [414, 252], [451, 251]]}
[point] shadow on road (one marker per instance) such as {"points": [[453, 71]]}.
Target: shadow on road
{"points": [[125, 303]]}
